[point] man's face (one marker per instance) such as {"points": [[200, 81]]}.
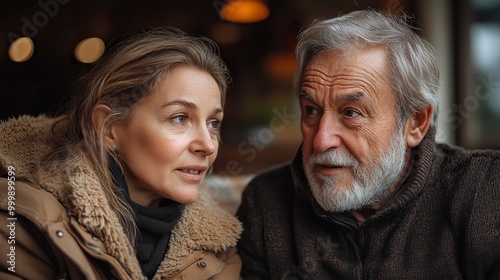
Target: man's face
{"points": [[353, 150]]}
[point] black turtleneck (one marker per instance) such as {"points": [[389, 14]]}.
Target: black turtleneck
{"points": [[155, 225]]}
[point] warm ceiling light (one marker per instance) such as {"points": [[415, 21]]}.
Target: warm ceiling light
{"points": [[244, 11], [89, 50], [21, 49], [281, 65]]}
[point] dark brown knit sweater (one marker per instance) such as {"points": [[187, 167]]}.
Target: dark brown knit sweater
{"points": [[443, 224]]}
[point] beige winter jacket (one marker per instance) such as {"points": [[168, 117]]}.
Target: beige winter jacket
{"points": [[57, 223]]}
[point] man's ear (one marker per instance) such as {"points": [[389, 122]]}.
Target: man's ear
{"points": [[417, 126], [99, 116]]}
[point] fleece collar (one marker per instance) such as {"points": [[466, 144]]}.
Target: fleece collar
{"points": [[203, 225]]}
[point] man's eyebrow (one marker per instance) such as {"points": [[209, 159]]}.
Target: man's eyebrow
{"points": [[355, 96], [348, 97], [304, 95]]}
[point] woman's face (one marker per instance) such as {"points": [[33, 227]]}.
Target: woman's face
{"points": [[171, 138]]}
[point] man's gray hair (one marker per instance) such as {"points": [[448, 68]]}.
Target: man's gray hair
{"points": [[413, 63]]}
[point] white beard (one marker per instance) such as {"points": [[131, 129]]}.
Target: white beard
{"points": [[369, 183]]}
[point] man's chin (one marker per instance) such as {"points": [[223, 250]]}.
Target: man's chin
{"points": [[344, 198]]}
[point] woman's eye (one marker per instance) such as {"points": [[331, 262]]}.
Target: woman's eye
{"points": [[352, 113], [179, 119], [214, 125]]}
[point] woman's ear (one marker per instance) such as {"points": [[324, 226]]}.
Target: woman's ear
{"points": [[99, 116], [417, 126]]}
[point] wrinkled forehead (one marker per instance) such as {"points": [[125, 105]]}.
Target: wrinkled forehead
{"points": [[369, 63]]}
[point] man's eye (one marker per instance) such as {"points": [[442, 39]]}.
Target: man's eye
{"points": [[311, 110], [352, 113]]}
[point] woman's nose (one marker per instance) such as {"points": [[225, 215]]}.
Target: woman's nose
{"points": [[204, 142]]}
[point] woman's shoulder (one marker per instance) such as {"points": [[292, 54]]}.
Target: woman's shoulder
{"points": [[205, 264], [18, 129], [24, 141], [203, 227], [27, 199], [206, 220]]}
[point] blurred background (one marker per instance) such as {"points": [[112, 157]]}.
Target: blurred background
{"points": [[46, 44]]}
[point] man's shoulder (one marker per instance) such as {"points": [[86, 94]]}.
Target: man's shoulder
{"points": [[277, 176], [470, 163], [273, 182], [269, 199], [467, 177], [473, 179], [459, 153], [470, 180]]}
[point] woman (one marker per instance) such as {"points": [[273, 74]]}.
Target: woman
{"points": [[111, 189]]}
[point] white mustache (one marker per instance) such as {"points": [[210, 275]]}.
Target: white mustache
{"points": [[333, 158]]}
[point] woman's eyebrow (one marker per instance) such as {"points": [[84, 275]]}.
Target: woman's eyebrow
{"points": [[181, 102], [190, 105], [218, 110]]}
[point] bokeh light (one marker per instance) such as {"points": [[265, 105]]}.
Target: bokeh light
{"points": [[89, 50]]}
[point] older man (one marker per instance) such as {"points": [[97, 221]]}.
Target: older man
{"points": [[370, 195]]}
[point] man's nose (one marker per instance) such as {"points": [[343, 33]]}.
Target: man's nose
{"points": [[327, 135]]}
